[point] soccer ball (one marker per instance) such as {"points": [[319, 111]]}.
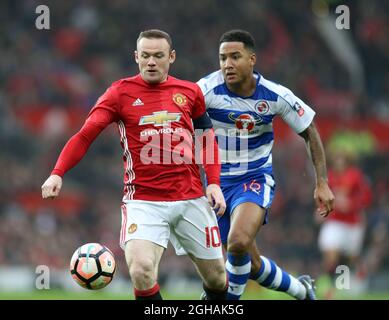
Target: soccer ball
{"points": [[92, 266]]}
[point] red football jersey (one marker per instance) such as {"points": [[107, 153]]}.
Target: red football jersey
{"points": [[352, 195], [156, 132]]}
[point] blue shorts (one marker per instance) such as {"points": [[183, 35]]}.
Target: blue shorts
{"points": [[256, 188]]}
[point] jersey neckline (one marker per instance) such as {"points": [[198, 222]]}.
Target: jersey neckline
{"points": [[234, 95]]}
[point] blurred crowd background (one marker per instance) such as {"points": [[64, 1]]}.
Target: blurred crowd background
{"points": [[51, 78]]}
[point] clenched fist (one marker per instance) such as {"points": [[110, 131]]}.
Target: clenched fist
{"points": [[51, 187]]}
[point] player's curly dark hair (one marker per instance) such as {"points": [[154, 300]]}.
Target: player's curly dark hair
{"points": [[238, 35]]}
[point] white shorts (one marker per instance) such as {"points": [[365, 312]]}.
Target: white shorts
{"points": [[344, 237], [190, 225]]}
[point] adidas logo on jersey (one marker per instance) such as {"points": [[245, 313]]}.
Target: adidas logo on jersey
{"points": [[138, 102]]}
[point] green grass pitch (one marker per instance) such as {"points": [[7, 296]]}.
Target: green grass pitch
{"points": [[261, 294], [253, 292]]}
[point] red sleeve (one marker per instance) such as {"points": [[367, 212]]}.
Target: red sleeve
{"points": [[210, 156], [199, 104], [210, 150], [102, 114]]}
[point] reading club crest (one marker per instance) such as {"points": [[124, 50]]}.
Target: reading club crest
{"points": [[262, 107]]}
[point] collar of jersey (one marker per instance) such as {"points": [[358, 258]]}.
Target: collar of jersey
{"points": [[154, 84], [234, 95]]}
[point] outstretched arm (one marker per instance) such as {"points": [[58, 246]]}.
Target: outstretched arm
{"points": [[74, 150], [323, 195], [102, 114]]}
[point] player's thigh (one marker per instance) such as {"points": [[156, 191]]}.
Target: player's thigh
{"points": [[331, 258], [249, 203], [196, 231], [246, 220], [144, 255]]}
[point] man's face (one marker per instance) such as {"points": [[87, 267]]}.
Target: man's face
{"points": [[154, 57], [236, 62]]}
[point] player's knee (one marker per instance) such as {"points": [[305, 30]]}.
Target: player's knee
{"points": [[142, 273], [217, 278], [238, 244]]}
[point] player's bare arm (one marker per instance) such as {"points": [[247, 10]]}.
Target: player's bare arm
{"points": [[51, 187], [323, 195]]}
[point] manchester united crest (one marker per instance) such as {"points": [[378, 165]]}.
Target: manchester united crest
{"points": [[179, 99], [132, 228]]}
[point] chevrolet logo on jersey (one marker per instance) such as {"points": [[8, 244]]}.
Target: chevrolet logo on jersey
{"points": [[160, 118]]}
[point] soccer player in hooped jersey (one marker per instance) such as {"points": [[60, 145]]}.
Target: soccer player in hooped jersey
{"points": [[242, 105], [163, 196]]}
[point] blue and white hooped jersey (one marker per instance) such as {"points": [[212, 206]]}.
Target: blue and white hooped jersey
{"points": [[244, 125]]}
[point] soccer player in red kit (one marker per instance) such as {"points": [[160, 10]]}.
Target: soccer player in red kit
{"points": [[158, 116], [342, 233]]}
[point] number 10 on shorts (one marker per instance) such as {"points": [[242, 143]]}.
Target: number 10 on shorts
{"points": [[212, 237]]}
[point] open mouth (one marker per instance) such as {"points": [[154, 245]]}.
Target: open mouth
{"points": [[230, 75]]}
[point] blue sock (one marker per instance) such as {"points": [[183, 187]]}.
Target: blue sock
{"points": [[238, 270], [273, 277]]}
